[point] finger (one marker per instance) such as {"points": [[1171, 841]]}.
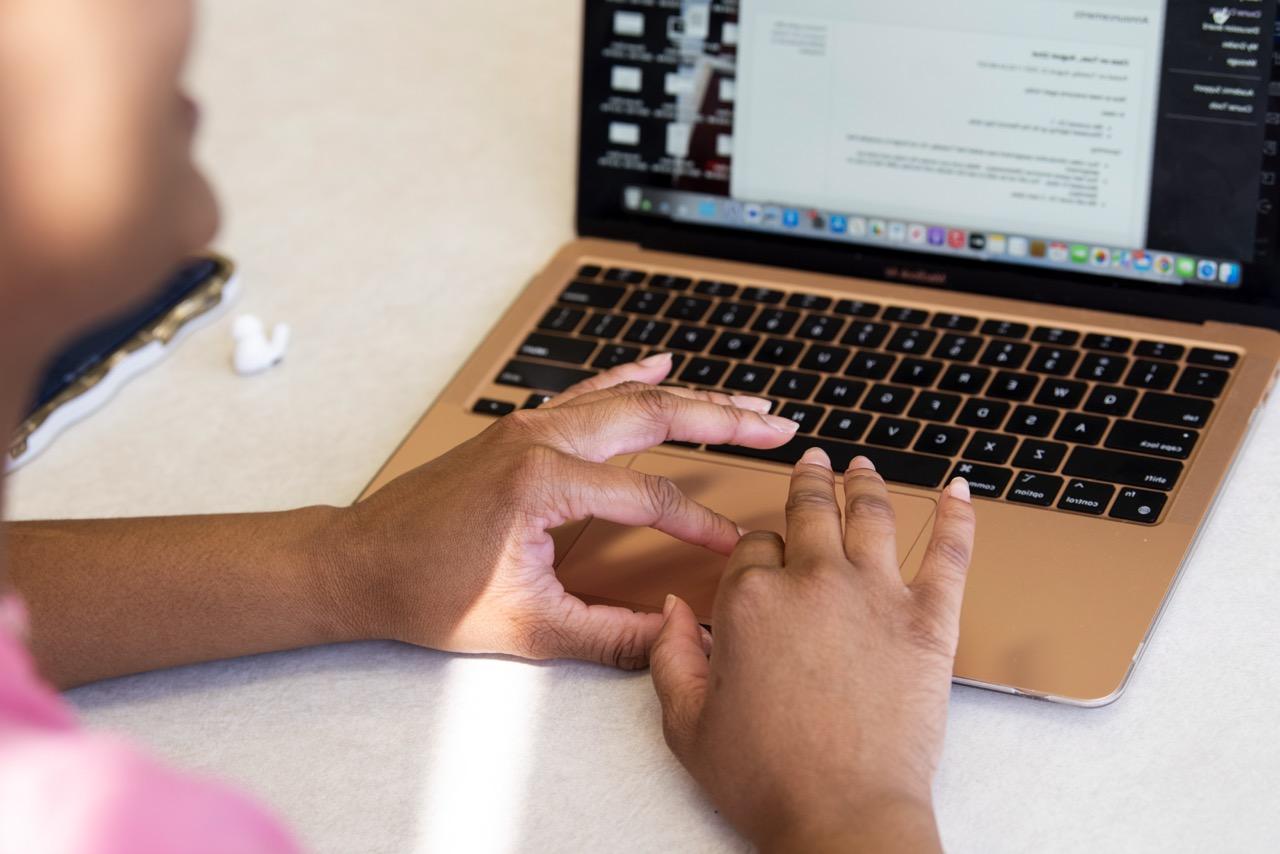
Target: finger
{"points": [[870, 525], [939, 585], [627, 497], [603, 634], [755, 550], [741, 401], [680, 676], [650, 371], [636, 422], [813, 516]]}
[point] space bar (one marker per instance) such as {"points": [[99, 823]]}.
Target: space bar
{"points": [[895, 466]]}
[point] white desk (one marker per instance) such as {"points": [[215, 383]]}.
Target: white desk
{"points": [[371, 155]]}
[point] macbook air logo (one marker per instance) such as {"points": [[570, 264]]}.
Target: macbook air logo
{"points": [[915, 274]]}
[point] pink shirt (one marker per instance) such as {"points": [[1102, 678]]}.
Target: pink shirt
{"points": [[66, 791]]}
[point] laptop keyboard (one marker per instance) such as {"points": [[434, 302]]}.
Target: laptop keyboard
{"points": [[1087, 423]]}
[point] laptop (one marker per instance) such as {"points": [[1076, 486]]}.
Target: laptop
{"points": [[1026, 242]]}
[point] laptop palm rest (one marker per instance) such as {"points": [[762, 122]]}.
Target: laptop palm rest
{"points": [[639, 567]]}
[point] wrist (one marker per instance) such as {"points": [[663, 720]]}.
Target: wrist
{"points": [[338, 571], [886, 823]]}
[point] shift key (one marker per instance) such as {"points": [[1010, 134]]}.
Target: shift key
{"points": [[556, 349], [541, 377], [1127, 469]]}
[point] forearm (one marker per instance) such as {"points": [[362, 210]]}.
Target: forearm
{"points": [[894, 824], [110, 598]]}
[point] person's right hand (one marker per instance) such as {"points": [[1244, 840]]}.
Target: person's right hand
{"points": [[818, 722]]}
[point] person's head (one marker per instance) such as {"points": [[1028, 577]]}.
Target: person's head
{"points": [[99, 197]]}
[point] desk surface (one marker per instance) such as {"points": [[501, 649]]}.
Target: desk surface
{"points": [[369, 156]]}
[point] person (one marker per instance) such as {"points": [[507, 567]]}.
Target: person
{"points": [[814, 719]]}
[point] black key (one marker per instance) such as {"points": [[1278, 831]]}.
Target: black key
{"points": [[764, 295], [735, 345], [1011, 386], [1031, 421], [1041, 456], [615, 354], [912, 316], [893, 433], [871, 366], [593, 296], [590, 271], [691, 309], [1006, 354], [958, 348], [691, 339], [645, 302], [1055, 335], [553, 348], [1036, 489], [733, 315], [849, 426], [826, 359], [1138, 505], [893, 466], [647, 332], [723, 290], [984, 481], [914, 341], [887, 399], [1102, 368], [809, 302], [1053, 360], [983, 414], [946, 441], [795, 386], [1156, 376], [1178, 411], [1085, 497], [561, 319], [1065, 394], [1108, 343], [776, 321], [704, 372], [536, 400], [495, 408], [1082, 429], [869, 335], [1213, 358], [820, 327], [990, 448], [1202, 382], [1149, 439], [677, 361], [1126, 469], [933, 406], [671, 283], [630, 277], [917, 372], [1005, 329], [808, 417], [954, 322], [843, 393], [1109, 400], [604, 326], [964, 380], [776, 351], [749, 378], [541, 377], [857, 308], [1160, 350]]}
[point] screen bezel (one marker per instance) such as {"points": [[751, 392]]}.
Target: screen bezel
{"points": [[1256, 304]]}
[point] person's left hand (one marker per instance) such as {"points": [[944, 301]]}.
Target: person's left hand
{"points": [[458, 554]]}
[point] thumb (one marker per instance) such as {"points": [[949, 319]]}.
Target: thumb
{"points": [[680, 671]]}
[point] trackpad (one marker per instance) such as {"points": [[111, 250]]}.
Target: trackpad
{"points": [[639, 567]]}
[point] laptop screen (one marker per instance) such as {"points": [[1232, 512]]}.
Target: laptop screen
{"points": [[1129, 139]]}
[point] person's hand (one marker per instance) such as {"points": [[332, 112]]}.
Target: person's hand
{"points": [[817, 723], [458, 554]]}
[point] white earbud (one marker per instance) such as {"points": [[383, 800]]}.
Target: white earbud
{"points": [[254, 353]]}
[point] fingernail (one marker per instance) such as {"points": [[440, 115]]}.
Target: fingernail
{"points": [[862, 464], [754, 404], [742, 532], [656, 361], [816, 457], [668, 606], [782, 425], [707, 641], [960, 489]]}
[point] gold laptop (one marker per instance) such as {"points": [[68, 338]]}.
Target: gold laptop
{"points": [[1035, 247]]}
